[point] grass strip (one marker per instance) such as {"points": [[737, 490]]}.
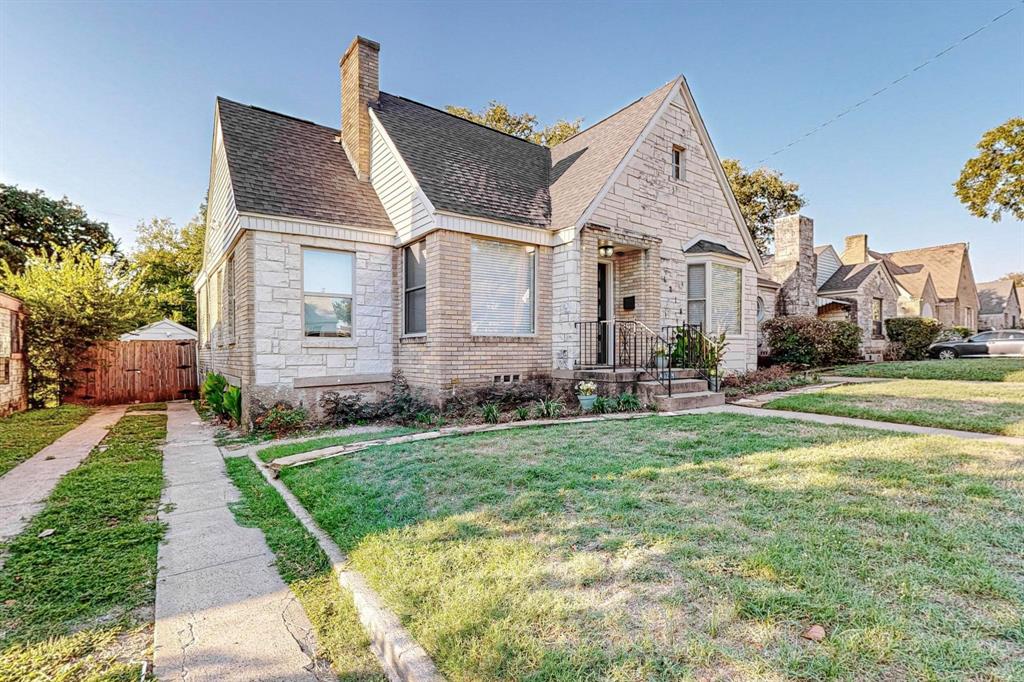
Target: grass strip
{"points": [[307, 571], [143, 407], [269, 454], [78, 586], [25, 433], [966, 369]]}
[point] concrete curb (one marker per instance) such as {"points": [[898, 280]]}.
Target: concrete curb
{"points": [[401, 656]]}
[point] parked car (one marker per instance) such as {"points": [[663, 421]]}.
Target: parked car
{"points": [[1000, 342]]}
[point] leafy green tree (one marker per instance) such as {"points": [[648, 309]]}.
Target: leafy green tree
{"points": [[73, 298], [31, 221], [762, 196], [167, 259], [993, 181], [498, 116], [1017, 277]]}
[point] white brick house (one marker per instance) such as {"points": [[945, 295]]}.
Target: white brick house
{"points": [[415, 240]]}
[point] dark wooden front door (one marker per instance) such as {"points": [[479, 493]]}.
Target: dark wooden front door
{"points": [[602, 313]]}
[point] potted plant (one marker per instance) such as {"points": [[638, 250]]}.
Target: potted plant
{"points": [[586, 393], [714, 351], [661, 359]]}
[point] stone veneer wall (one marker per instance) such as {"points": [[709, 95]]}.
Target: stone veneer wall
{"points": [[646, 200], [449, 355], [13, 392], [794, 264]]}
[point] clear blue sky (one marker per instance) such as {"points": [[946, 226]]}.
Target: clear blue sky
{"points": [[112, 103]]}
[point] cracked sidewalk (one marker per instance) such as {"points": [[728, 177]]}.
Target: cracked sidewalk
{"points": [[222, 610]]}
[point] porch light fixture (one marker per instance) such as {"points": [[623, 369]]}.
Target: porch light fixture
{"points": [[605, 250]]}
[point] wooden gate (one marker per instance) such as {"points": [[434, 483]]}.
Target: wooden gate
{"points": [[116, 372]]}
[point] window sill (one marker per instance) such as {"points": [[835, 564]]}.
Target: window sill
{"points": [[413, 340], [499, 338], [328, 342]]}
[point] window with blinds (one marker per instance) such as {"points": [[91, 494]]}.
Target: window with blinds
{"points": [[502, 288], [696, 293], [726, 299]]}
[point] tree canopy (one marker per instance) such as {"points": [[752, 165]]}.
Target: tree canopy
{"points": [[1017, 277], [32, 221], [993, 181], [167, 259], [74, 298], [762, 196], [497, 116]]}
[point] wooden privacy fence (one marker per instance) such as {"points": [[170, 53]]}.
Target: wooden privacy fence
{"points": [[116, 372]]}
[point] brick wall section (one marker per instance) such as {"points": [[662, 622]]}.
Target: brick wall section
{"points": [[360, 76], [646, 200], [449, 354]]}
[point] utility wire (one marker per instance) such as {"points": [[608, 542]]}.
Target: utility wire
{"points": [[878, 92]]}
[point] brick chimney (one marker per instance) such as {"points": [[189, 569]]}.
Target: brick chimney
{"points": [[855, 250], [360, 87], [794, 265]]}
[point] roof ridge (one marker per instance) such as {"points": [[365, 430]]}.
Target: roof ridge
{"points": [[617, 111], [924, 248], [275, 113], [456, 116]]}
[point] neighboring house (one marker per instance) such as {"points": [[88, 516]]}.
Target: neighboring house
{"points": [[1000, 305], [13, 358], [164, 330], [948, 267], [419, 241], [816, 280]]}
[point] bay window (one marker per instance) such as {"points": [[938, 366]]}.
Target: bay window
{"points": [[327, 283], [502, 288], [714, 297], [416, 288]]}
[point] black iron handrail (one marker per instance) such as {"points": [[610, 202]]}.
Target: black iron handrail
{"points": [[625, 344], [692, 349]]}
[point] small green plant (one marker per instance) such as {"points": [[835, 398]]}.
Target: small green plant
{"points": [[425, 418], [282, 419], [604, 405], [521, 414], [628, 402], [213, 393], [549, 409], [233, 403], [491, 413]]}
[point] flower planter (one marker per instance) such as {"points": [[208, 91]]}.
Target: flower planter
{"points": [[586, 401]]}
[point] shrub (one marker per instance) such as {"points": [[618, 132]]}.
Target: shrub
{"points": [[281, 419], [549, 409], [628, 402], [491, 413], [342, 410], [895, 350], [809, 341], [954, 334], [469, 401], [521, 414], [213, 393], [915, 334], [774, 378], [604, 405], [232, 398], [403, 404]]}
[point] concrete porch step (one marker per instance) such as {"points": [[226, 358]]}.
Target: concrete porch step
{"points": [[678, 386], [688, 401]]}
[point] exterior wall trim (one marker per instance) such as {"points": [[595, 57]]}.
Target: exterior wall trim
{"points": [[340, 380]]}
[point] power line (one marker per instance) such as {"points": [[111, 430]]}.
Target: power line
{"points": [[878, 92]]}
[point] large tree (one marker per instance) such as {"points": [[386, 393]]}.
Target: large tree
{"points": [[1017, 277], [32, 221], [167, 259], [993, 181], [497, 115], [73, 298], [762, 196]]}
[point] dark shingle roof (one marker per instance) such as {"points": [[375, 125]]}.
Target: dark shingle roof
{"points": [[704, 246], [848, 277], [468, 168], [288, 167]]}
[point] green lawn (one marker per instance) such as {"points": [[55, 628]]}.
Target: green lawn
{"points": [[25, 433], [986, 407], [142, 407], [307, 570], [966, 369], [690, 547], [77, 603], [273, 452]]}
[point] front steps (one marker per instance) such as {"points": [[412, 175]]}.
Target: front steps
{"points": [[689, 392], [688, 401]]}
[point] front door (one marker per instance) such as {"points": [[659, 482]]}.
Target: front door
{"points": [[603, 313]]}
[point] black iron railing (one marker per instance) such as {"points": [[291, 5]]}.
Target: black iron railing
{"points": [[693, 349]]}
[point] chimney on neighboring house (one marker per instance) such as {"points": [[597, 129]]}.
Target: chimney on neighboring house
{"points": [[794, 265], [360, 87], [855, 250]]}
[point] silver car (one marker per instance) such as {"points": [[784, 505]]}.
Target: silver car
{"points": [[1002, 342]]}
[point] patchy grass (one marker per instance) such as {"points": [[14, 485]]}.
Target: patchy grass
{"points": [[969, 406], [966, 369], [141, 407], [307, 570], [690, 547], [77, 603], [273, 452], [25, 433]]}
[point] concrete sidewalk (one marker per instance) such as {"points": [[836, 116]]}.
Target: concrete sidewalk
{"points": [[24, 489], [222, 610]]}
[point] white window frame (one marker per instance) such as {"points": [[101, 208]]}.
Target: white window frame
{"points": [[679, 168], [406, 290], [533, 290], [339, 340], [708, 261]]}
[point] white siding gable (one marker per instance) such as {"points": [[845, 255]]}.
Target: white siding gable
{"points": [[221, 214], [408, 208], [828, 263]]}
